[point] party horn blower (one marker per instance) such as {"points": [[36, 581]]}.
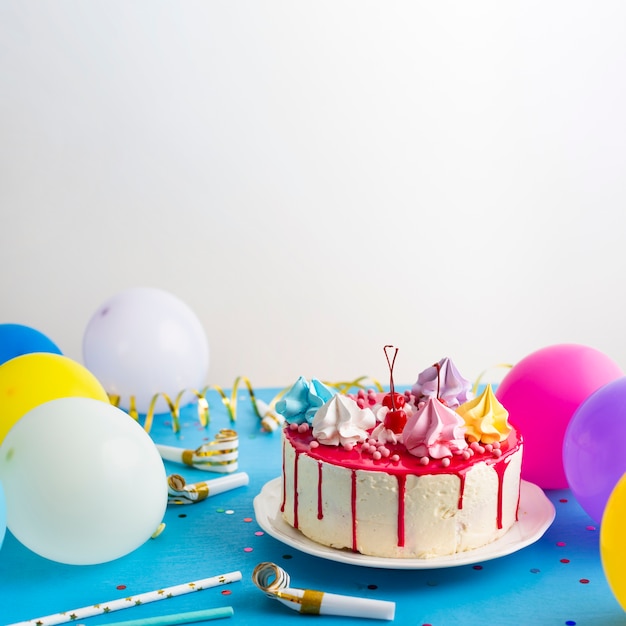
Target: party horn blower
{"points": [[274, 581], [220, 455], [270, 419], [130, 601], [179, 492]]}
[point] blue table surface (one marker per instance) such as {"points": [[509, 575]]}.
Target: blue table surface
{"points": [[556, 581]]}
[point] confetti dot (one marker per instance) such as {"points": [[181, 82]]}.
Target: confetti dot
{"points": [[564, 560], [247, 549], [229, 512], [287, 556], [563, 500], [432, 583], [561, 544], [226, 592], [477, 567], [219, 510], [535, 570], [259, 533], [182, 515], [247, 519], [372, 586], [591, 527], [570, 622], [584, 581], [120, 587]]}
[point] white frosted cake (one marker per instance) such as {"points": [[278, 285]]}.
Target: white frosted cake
{"points": [[427, 473]]}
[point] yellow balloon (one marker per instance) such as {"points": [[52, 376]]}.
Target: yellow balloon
{"points": [[613, 541], [31, 379]]}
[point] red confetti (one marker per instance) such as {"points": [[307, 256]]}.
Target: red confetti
{"points": [[563, 500], [247, 519], [584, 581], [478, 567], [226, 592], [120, 587], [561, 544], [564, 560]]}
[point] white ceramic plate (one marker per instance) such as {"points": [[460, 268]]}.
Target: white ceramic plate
{"points": [[536, 513]]}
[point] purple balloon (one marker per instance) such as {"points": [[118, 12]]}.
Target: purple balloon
{"points": [[594, 447]]}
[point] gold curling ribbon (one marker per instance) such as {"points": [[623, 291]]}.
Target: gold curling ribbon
{"points": [[229, 402], [358, 383], [480, 376]]}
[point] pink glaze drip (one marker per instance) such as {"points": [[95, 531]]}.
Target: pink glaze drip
{"points": [[282, 504], [500, 469], [353, 507], [295, 490], [461, 476], [320, 509], [401, 498]]}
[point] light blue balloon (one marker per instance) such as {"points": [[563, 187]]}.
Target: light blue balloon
{"points": [[3, 516]]}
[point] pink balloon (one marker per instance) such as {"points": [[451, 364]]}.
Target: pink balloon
{"points": [[542, 393]]}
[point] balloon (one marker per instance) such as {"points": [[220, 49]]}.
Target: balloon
{"points": [[593, 447], [32, 379], [3, 516], [83, 481], [613, 541], [144, 341], [16, 339], [541, 393]]}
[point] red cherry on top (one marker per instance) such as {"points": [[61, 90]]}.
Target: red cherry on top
{"points": [[398, 399], [395, 420]]}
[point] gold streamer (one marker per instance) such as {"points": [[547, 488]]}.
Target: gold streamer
{"points": [[229, 402], [480, 376]]}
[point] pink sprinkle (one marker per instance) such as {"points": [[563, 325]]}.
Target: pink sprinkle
{"points": [[474, 445], [497, 453], [445, 462], [360, 393], [591, 527], [348, 447], [424, 460], [395, 458], [303, 428], [377, 456], [259, 533], [361, 403], [247, 549], [561, 544], [496, 445], [293, 426], [314, 444], [480, 450], [488, 447], [466, 454], [384, 451]]}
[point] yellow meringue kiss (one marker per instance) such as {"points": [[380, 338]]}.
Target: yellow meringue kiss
{"points": [[486, 420]]}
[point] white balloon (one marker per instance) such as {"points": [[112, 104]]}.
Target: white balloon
{"points": [[84, 483], [145, 341]]}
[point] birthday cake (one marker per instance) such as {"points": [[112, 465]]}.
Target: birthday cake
{"points": [[426, 473]]}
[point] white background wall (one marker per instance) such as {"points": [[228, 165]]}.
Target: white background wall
{"points": [[317, 179]]}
